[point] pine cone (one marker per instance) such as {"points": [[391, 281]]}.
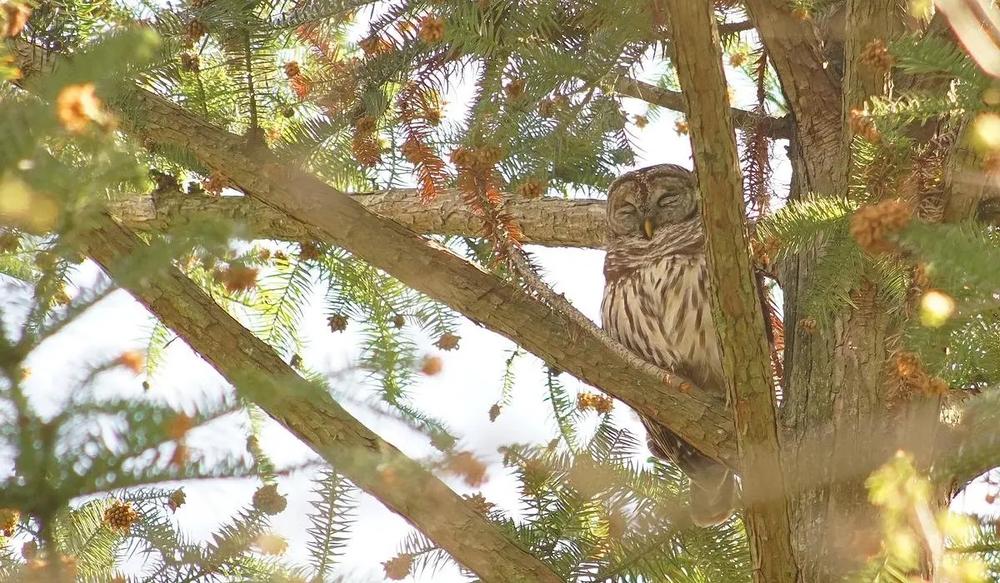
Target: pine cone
{"points": [[876, 55], [431, 29], [447, 341], [271, 544], [9, 242], [465, 465], [862, 125], [366, 150], [365, 124], [309, 251], [599, 403], [872, 225], [532, 188], [176, 499], [808, 325], [398, 567], [120, 516], [515, 89], [195, 30], [268, 500], [190, 62], [431, 366], [337, 322], [479, 503], [29, 550], [8, 520]]}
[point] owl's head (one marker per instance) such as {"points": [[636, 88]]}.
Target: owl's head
{"points": [[644, 201]]}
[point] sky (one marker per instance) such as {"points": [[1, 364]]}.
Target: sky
{"points": [[461, 394]]}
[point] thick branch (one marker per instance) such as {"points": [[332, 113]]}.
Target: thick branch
{"points": [[556, 337], [776, 127], [554, 222], [810, 87], [308, 412], [736, 304], [974, 446]]}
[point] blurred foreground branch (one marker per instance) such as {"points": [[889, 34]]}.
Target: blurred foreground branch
{"points": [[313, 416]]}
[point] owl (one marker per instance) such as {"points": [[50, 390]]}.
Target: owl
{"points": [[656, 302]]}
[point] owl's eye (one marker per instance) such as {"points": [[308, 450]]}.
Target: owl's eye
{"points": [[666, 199], [626, 209]]}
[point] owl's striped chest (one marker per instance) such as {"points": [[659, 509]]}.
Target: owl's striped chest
{"points": [[662, 312]]}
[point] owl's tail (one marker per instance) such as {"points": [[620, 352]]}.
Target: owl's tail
{"points": [[713, 496], [714, 493]]}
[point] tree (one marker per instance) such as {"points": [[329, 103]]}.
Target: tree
{"points": [[882, 252]]}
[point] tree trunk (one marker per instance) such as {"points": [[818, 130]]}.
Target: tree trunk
{"points": [[835, 416]]}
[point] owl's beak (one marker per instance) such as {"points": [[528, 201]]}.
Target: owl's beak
{"points": [[647, 227]]}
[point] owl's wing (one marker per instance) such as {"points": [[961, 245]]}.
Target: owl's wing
{"points": [[713, 495]]}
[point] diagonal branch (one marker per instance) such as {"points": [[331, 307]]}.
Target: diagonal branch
{"points": [[775, 127], [556, 337], [259, 374], [553, 222], [735, 302]]}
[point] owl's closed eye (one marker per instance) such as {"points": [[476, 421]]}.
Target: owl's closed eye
{"points": [[642, 201]]}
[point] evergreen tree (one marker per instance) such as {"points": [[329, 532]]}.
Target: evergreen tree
{"points": [[231, 162]]}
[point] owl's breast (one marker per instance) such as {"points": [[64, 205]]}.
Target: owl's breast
{"points": [[662, 312]]}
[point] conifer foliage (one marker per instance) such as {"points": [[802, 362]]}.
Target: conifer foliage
{"points": [[496, 103]]}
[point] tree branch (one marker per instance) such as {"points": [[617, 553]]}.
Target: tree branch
{"points": [[554, 336], [553, 222], [735, 300], [775, 127], [375, 465], [973, 447]]}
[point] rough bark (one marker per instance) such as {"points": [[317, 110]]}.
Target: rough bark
{"points": [[817, 366], [373, 464], [556, 337], [836, 376], [810, 88], [736, 304], [552, 222]]}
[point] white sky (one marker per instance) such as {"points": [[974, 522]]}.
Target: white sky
{"points": [[461, 395]]}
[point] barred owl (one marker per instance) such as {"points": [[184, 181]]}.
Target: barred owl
{"points": [[656, 303]]}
